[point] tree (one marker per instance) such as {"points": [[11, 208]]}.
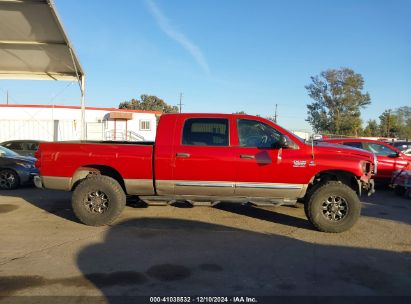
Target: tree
{"points": [[372, 129], [389, 126], [404, 122], [148, 103], [338, 99]]}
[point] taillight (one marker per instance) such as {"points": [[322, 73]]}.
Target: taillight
{"points": [[37, 154]]}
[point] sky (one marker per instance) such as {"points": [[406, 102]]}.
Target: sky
{"points": [[230, 55]]}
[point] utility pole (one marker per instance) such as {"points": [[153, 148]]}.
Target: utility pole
{"points": [[275, 115], [7, 96], [180, 105]]}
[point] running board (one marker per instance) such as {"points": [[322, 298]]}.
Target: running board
{"points": [[190, 201]]}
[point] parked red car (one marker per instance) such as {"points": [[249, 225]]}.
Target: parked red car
{"points": [[389, 158]]}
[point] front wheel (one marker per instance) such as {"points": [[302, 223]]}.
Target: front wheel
{"points": [[9, 179], [98, 200], [333, 207]]}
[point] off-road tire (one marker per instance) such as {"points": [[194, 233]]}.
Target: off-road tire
{"points": [[116, 200], [320, 195], [8, 185]]}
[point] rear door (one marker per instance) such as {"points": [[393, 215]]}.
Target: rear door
{"points": [[203, 159]]}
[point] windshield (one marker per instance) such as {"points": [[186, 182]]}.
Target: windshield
{"points": [[6, 152]]}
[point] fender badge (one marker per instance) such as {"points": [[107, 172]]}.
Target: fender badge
{"points": [[299, 163]]}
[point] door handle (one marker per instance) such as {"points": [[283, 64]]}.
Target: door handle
{"points": [[184, 155], [247, 156]]}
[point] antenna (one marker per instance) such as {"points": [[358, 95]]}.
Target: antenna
{"points": [[275, 115], [312, 147], [180, 104]]}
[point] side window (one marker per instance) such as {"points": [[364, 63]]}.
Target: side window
{"points": [[205, 132], [31, 146], [380, 149], [14, 146], [354, 144], [252, 133]]}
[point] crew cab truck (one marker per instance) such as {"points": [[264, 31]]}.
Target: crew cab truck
{"points": [[210, 158]]}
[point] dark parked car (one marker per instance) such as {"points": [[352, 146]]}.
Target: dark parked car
{"points": [[22, 147], [401, 145], [15, 169]]}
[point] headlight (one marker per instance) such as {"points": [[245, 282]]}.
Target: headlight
{"points": [[26, 165]]}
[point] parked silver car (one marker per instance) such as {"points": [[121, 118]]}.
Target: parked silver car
{"points": [[22, 147]]}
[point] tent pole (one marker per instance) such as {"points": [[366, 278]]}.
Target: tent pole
{"points": [[83, 108]]}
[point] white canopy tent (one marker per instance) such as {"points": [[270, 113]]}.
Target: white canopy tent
{"points": [[34, 45]]}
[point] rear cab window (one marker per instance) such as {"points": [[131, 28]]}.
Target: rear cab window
{"points": [[206, 132]]}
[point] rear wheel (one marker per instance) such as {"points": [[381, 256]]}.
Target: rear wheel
{"points": [[333, 207], [9, 179], [98, 200]]}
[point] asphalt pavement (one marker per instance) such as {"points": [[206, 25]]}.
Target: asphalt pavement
{"points": [[230, 250]]}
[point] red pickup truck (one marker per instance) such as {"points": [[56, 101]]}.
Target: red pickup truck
{"points": [[211, 158]]}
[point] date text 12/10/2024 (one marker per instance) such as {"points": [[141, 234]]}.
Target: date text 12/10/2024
{"points": [[235, 299]]}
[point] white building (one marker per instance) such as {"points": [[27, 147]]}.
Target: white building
{"points": [[60, 123]]}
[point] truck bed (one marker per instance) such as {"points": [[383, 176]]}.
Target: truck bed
{"points": [[61, 162]]}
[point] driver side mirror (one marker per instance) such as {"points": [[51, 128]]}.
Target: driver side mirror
{"points": [[282, 143], [394, 155]]}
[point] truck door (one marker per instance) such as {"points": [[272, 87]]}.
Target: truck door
{"points": [[264, 169], [203, 158]]}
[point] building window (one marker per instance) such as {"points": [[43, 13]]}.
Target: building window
{"points": [[145, 125]]}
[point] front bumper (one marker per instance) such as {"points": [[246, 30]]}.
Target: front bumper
{"points": [[367, 184], [371, 187]]}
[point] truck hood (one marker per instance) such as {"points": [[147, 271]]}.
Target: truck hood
{"points": [[324, 147]]}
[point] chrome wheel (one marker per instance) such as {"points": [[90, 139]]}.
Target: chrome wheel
{"points": [[7, 179], [96, 202], [335, 208]]}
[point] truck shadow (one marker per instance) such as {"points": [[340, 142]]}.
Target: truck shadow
{"points": [[55, 202], [162, 256], [59, 203], [383, 205], [266, 215]]}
